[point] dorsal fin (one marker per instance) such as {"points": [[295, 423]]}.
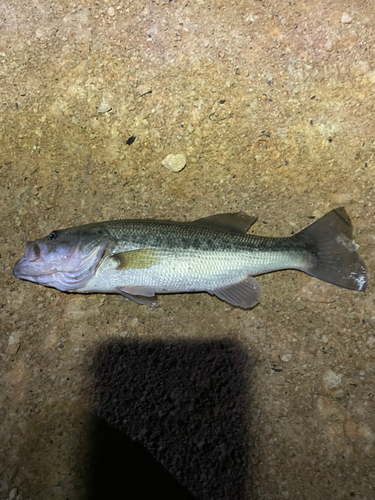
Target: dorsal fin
{"points": [[238, 222]]}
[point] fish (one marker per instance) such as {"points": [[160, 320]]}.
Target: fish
{"points": [[142, 258]]}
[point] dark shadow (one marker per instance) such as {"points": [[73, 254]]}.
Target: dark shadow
{"points": [[170, 421], [123, 468]]}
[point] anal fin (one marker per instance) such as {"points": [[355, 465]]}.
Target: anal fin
{"points": [[246, 293]]}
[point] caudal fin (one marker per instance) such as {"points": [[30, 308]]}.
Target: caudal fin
{"points": [[333, 253]]}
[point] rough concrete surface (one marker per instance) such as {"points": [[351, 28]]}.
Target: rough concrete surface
{"points": [[272, 105]]}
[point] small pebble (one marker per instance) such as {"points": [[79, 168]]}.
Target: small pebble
{"points": [[346, 18], [104, 107], [328, 45], [174, 163], [13, 494], [370, 342], [332, 380], [111, 11], [286, 357]]}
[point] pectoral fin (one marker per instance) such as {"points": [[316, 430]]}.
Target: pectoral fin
{"points": [[238, 222], [246, 293], [136, 259], [140, 294]]}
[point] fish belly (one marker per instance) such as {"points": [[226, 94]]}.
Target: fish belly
{"points": [[174, 272], [187, 271]]}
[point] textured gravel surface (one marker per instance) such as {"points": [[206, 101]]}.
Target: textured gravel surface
{"points": [[272, 106]]}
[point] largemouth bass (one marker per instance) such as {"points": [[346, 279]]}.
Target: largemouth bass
{"points": [[141, 258]]}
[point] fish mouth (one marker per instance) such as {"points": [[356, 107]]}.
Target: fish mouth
{"points": [[41, 261], [67, 271], [32, 251], [24, 269], [31, 266]]}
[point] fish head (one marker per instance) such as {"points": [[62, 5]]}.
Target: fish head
{"points": [[64, 259]]}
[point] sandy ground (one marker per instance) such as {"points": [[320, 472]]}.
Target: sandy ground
{"points": [[272, 104]]}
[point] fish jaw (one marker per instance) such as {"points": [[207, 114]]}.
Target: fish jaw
{"points": [[40, 260], [22, 270], [66, 269]]}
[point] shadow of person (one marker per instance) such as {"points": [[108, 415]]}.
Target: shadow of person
{"points": [[169, 421]]}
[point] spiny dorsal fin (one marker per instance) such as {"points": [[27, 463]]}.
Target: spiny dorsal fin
{"points": [[238, 222]]}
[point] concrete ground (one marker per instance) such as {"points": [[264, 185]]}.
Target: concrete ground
{"points": [[272, 104]]}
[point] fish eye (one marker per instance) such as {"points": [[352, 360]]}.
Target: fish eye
{"points": [[53, 236]]}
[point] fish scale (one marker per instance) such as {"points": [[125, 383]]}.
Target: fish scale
{"points": [[193, 257]]}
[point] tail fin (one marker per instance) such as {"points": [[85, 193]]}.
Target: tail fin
{"points": [[333, 253]]}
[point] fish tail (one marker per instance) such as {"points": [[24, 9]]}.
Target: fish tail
{"points": [[332, 252]]}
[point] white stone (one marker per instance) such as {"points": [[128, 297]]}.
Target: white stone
{"points": [[104, 107], [174, 163], [14, 337], [286, 357], [332, 380], [346, 18]]}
